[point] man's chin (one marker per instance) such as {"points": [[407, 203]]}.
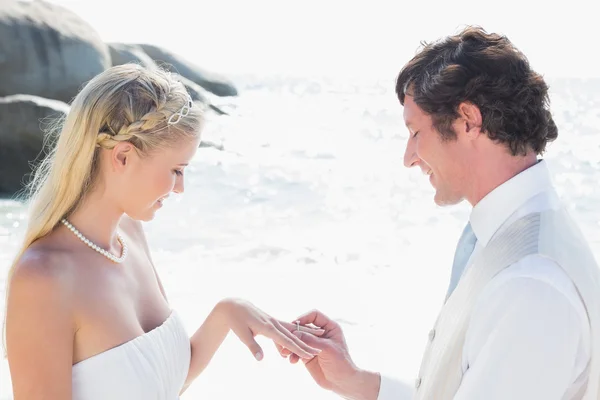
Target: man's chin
{"points": [[444, 200]]}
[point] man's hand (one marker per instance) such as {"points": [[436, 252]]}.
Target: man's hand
{"points": [[333, 369]]}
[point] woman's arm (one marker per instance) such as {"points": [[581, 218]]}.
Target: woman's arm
{"points": [[206, 341], [39, 330], [246, 321]]}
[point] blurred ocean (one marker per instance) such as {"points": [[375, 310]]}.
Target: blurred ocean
{"points": [[309, 206]]}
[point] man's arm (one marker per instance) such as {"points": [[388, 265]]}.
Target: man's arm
{"points": [[334, 369], [392, 389], [524, 336]]}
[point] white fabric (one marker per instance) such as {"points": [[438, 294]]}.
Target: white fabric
{"points": [[533, 295], [152, 366], [552, 234]]}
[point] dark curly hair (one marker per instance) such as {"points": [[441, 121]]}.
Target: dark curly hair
{"points": [[486, 70]]}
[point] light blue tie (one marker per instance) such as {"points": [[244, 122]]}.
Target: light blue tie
{"points": [[464, 248]]}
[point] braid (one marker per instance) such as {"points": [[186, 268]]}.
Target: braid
{"points": [[126, 126], [134, 132], [106, 141]]}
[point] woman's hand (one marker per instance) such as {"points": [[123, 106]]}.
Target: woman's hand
{"points": [[247, 321]]}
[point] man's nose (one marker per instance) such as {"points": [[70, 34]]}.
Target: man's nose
{"points": [[410, 154]]}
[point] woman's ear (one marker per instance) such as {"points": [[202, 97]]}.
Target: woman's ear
{"points": [[121, 155]]}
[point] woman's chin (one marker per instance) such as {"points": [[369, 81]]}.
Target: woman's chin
{"points": [[145, 215]]}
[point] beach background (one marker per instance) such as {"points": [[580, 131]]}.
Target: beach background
{"points": [[304, 203]]}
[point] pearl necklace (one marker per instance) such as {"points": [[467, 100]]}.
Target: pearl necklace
{"points": [[99, 249]]}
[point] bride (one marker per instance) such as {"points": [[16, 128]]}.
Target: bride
{"points": [[87, 317]]}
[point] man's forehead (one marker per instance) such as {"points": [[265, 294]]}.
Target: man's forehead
{"points": [[409, 111]]}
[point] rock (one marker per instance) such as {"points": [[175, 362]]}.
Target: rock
{"points": [[210, 143], [121, 53], [217, 109], [197, 93], [214, 83], [47, 50], [22, 118]]}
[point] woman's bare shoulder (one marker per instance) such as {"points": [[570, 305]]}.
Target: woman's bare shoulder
{"points": [[44, 268], [40, 324]]}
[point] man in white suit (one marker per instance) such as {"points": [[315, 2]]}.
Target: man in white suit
{"points": [[520, 319]]}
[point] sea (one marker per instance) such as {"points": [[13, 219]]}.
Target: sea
{"points": [[299, 200]]}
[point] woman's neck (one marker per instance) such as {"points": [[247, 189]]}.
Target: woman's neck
{"points": [[97, 218]]}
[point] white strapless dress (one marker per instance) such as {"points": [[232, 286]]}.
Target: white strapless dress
{"points": [[152, 366]]}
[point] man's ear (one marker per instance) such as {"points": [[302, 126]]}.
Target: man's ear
{"points": [[471, 117], [121, 155]]}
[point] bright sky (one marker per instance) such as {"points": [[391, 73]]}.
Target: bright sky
{"points": [[350, 37]]}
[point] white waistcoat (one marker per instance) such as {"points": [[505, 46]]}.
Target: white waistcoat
{"points": [[552, 234]]}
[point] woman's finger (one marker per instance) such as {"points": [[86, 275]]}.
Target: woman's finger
{"points": [[247, 337], [280, 338], [282, 350], [294, 338], [295, 326]]}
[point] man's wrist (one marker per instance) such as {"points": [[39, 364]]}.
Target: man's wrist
{"points": [[364, 385]]}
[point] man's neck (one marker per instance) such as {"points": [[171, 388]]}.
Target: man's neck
{"points": [[494, 171]]}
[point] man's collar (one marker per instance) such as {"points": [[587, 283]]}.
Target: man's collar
{"points": [[497, 206]]}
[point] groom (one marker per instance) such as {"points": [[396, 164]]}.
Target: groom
{"points": [[522, 313]]}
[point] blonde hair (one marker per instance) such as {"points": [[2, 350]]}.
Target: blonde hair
{"points": [[124, 103]]}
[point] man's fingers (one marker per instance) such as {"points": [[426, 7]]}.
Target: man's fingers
{"points": [[293, 327], [312, 341], [247, 337], [295, 339], [319, 319], [280, 338]]}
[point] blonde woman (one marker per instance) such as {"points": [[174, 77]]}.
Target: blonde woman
{"points": [[87, 317]]}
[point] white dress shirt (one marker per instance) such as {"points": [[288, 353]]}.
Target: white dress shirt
{"points": [[529, 336]]}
